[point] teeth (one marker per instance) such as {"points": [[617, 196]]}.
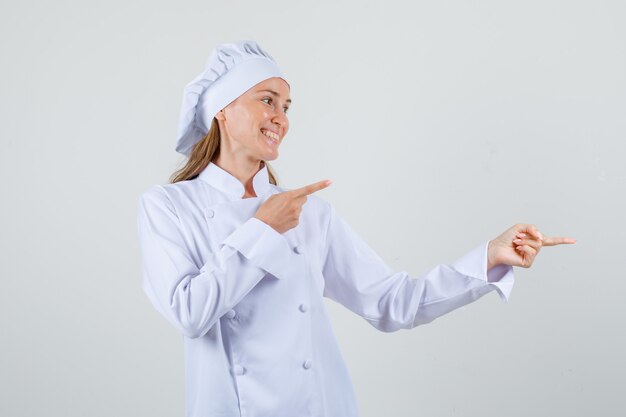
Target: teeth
{"points": [[270, 135]]}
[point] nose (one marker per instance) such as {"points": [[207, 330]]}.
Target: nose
{"points": [[280, 118]]}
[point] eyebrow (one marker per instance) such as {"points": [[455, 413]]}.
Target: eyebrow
{"points": [[275, 94]]}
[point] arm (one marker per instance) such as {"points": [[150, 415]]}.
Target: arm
{"points": [[193, 298], [358, 278]]}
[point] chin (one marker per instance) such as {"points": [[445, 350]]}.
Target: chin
{"points": [[271, 157]]}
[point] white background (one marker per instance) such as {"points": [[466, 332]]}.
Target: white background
{"points": [[441, 124]]}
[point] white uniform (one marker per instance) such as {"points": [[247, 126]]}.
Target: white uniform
{"points": [[248, 300]]}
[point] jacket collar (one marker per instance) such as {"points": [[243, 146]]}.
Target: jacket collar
{"points": [[224, 181]]}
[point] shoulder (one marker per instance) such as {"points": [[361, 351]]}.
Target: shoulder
{"points": [[168, 196], [178, 194], [154, 200], [154, 192], [161, 192]]}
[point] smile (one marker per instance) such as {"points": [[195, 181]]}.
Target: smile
{"points": [[273, 136]]}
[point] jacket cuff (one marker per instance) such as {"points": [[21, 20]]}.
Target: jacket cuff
{"points": [[474, 264], [262, 245]]}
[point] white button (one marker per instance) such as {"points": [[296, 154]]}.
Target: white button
{"points": [[210, 213], [298, 249], [307, 364], [239, 370], [231, 314], [303, 307]]}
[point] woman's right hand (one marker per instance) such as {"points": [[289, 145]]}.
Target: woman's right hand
{"points": [[282, 210], [519, 245]]}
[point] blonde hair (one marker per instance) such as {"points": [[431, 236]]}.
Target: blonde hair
{"points": [[204, 152]]}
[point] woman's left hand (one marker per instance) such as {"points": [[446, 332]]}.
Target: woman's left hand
{"points": [[519, 245]]}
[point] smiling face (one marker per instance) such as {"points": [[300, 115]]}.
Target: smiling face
{"points": [[253, 126]]}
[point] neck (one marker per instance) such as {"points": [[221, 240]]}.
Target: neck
{"points": [[243, 169]]}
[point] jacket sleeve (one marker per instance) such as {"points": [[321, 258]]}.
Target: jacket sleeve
{"points": [[193, 297], [358, 278]]}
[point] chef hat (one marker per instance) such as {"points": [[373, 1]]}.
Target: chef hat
{"points": [[232, 69]]}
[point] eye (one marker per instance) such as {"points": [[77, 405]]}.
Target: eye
{"points": [[269, 100]]}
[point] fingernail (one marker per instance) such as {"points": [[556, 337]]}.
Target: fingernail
{"points": [[540, 235]]}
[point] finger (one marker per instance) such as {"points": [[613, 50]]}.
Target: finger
{"points": [[310, 189], [533, 243], [532, 230], [527, 258], [529, 240], [552, 241], [527, 249]]}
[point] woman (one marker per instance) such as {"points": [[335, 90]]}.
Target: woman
{"points": [[240, 265]]}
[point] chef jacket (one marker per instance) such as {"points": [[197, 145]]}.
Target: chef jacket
{"points": [[248, 299]]}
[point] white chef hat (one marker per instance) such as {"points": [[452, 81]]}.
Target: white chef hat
{"points": [[232, 69]]}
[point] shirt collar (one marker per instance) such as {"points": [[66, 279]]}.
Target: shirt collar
{"points": [[227, 183]]}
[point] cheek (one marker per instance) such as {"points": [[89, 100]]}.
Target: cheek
{"points": [[265, 115]]}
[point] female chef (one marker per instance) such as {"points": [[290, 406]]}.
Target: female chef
{"points": [[240, 265]]}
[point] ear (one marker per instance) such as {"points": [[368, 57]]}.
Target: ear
{"points": [[220, 115]]}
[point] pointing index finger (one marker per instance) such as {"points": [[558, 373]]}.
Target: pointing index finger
{"points": [[311, 188], [552, 241]]}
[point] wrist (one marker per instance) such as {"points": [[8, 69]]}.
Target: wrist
{"points": [[491, 258]]}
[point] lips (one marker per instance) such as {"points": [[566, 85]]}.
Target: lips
{"points": [[271, 135]]}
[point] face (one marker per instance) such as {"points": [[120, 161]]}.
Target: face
{"points": [[254, 125]]}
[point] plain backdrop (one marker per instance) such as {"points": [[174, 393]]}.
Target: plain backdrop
{"points": [[441, 124]]}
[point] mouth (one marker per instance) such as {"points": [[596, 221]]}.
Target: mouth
{"points": [[271, 137]]}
